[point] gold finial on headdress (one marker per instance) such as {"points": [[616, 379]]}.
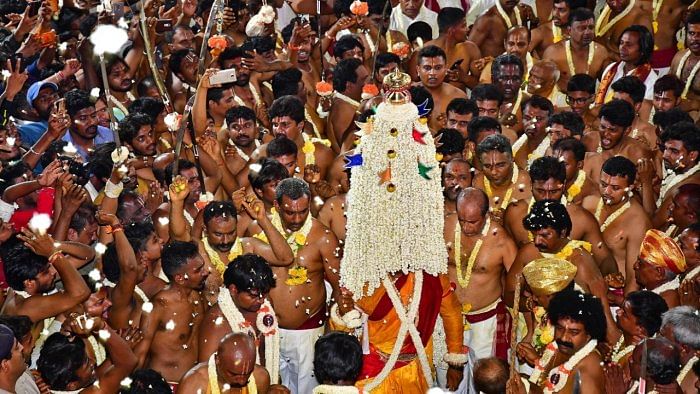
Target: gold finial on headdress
{"points": [[396, 85]]}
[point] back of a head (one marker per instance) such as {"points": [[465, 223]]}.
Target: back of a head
{"points": [[176, 255], [663, 360], [337, 358], [249, 272], [491, 375], [146, 381]]}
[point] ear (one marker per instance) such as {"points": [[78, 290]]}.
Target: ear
{"points": [[302, 125], [29, 285], [637, 107], [693, 155], [579, 165], [72, 235], [233, 289]]}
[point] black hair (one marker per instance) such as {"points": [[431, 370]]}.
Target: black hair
{"points": [[663, 361], [581, 83], [618, 113], [620, 166], [487, 92], [262, 44], [217, 209], [337, 357], [539, 102], [580, 14], [345, 71], [59, 359], [547, 167], [176, 58], [77, 100], [686, 132], [515, 28], [418, 96], [482, 123], [130, 125], [100, 162], [385, 58], [342, 7], [138, 233], [494, 142], [287, 106], [504, 60], [570, 120], [293, 188], [232, 53], [286, 82], [571, 145], [20, 263], [583, 308], [142, 88], [693, 18], [669, 82], [11, 172], [462, 106], [182, 164], [239, 112], [249, 272], [150, 106], [448, 17], [646, 42], [666, 119], [270, 170], [475, 195], [430, 51], [419, 29], [215, 94], [281, 146], [647, 307], [175, 255], [83, 216], [451, 141], [548, 214], [631, 85], [21, 325], [346, 43], [110, 263], [146, 381]]}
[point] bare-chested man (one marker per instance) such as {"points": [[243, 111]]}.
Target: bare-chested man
{"points": [[349, 76], [456, 176], [622, 219], [548, 176], [579, 54], [517, 42], [300, 294], [615, 17], [631, 89], [666, 21], [489, 99], [332, 214], [171, 323], [686, 61], [432, 71], [580, 92], [479, 274], [548, 33], [507, 72], [535, 141], [572, 153], [490, 28], [500, 178], [543, 81], [462, 55]]}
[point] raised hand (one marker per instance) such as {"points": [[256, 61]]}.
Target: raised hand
{"points": [[179, 189], [41, 244]]}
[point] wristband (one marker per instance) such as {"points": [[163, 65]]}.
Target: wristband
{"points": [[111, 229]]}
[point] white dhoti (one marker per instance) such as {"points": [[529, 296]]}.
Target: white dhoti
{"points": [[297, 359], [480, 336]]}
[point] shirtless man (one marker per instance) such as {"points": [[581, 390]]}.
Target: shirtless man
{"points": [[660, 263], [242, 134], [462, 55], [500, 178], [456, 176], [517, 42], [171, 328], [489, 30], [548, 176], [667, 94], [535, 141], [622, 219], [300, 295], [586, 55], [631, 89], [580, 92], [665, 23], [572, 153], [615, 17], [211, 102], [507, 72], [234, 368], [488, 100], [616, 118], [543, 80], [349, 76], [479, 289], [188, 170], [548, 33], [685, 61], [432, 70]]}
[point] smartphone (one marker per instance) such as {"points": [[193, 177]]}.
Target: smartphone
{"points": [[34, 7], [60, 105], [20, 57], [169, 4], [223, 76], [163, 25], [456, 64], [304, 18]]}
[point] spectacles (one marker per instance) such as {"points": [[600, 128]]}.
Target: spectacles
{"points": [[583, 100]]}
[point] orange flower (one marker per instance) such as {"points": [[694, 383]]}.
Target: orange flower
{"points": [[48, 38], [217, 44], [359, 8], [324, 89], [371, 89], [401, 49]]}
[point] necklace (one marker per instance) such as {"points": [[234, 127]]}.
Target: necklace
{"points": [[251, 387], [242, 154], [328, 389], [568, 249], [558, 376], [505, 16], [634, 388], [686, 368], [544, 331], [610, 219], [236, 250], [265, 322], [519, 143], [141, 294], [542, 362], [601, 29], [692, 273], [347, 99], [98, 349], [656, 4], [188, 217], [618, 353], [297, 273], [575, 189], [671, 181], [570, 57], [464, 277], [672, 285], [556, 33], [308, 118], [509, 192], [691, 76], [539, 151]]}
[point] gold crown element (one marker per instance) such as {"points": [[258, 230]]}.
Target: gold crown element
{"points": [[396, 85], [548, 276]]}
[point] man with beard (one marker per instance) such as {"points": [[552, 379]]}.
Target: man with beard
{"points": [[631, 89], [548, 177], [232, 58], [231, 368], [21, 329], [667, 94], [579, 54], [580, 92], [210, 105], [615, 18], [685, 61], [658, 266], [622, 219], [289, 83], [349, 76], [517, 42], [488, 100], [547, 34], [534, 143], [183, 66], [171, 328], [550, 225], [243, 136], [189, 172], [616, 118], [120, 81], [635, 48], [136, 133], [456, 176], [298, 38], [84, 132], [40, 97], [564, 125], [681, 325], [507, 72], [463, 56], [572, 153], [300, 295], [479, 275], [242, 303], [685, 209], [578, 328], [490, 29], [432, 70], [459, 113]]}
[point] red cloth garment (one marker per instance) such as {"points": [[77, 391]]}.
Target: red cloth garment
{"points": [[662, 58], [44, 204], [504, 324], [315, 321]]}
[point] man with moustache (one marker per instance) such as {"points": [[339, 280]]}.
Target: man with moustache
{"points": [[507, 72], [659, 265], [535, 141], [572, 153], [241, 135], [120, 81], [210, 104], [681, 325], [490, 29], [183, 66], [548, 33], [543, 80], [40, 97], [667, 94], [489, 99], [459, 113], [84, 132], [685, 209], [517, 42], [410, 11], [615, 18], [686, 60], [456, 176], [136, 132]]}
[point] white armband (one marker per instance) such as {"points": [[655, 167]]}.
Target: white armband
{"points": [[112, 190], [352, 319]]}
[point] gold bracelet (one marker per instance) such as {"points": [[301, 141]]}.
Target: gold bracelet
{"points": [[55, 256]]}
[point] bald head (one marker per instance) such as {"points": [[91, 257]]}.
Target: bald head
{"points": [[471, 198], [235, 358], [490, 375]]}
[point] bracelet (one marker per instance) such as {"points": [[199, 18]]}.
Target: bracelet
{"points": [[112, 190], [111, 229], [352, 319], [455, 359], [61, 75], [55, 256], [332, 38], [31, 150]]}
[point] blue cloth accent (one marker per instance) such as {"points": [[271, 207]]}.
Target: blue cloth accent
{"points": [[31, 132], [103, 136]]}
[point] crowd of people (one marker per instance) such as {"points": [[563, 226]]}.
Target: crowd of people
{"points": [[175, 178]]}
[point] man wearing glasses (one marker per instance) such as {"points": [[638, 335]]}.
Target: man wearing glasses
{"points": [[580, 91]]}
